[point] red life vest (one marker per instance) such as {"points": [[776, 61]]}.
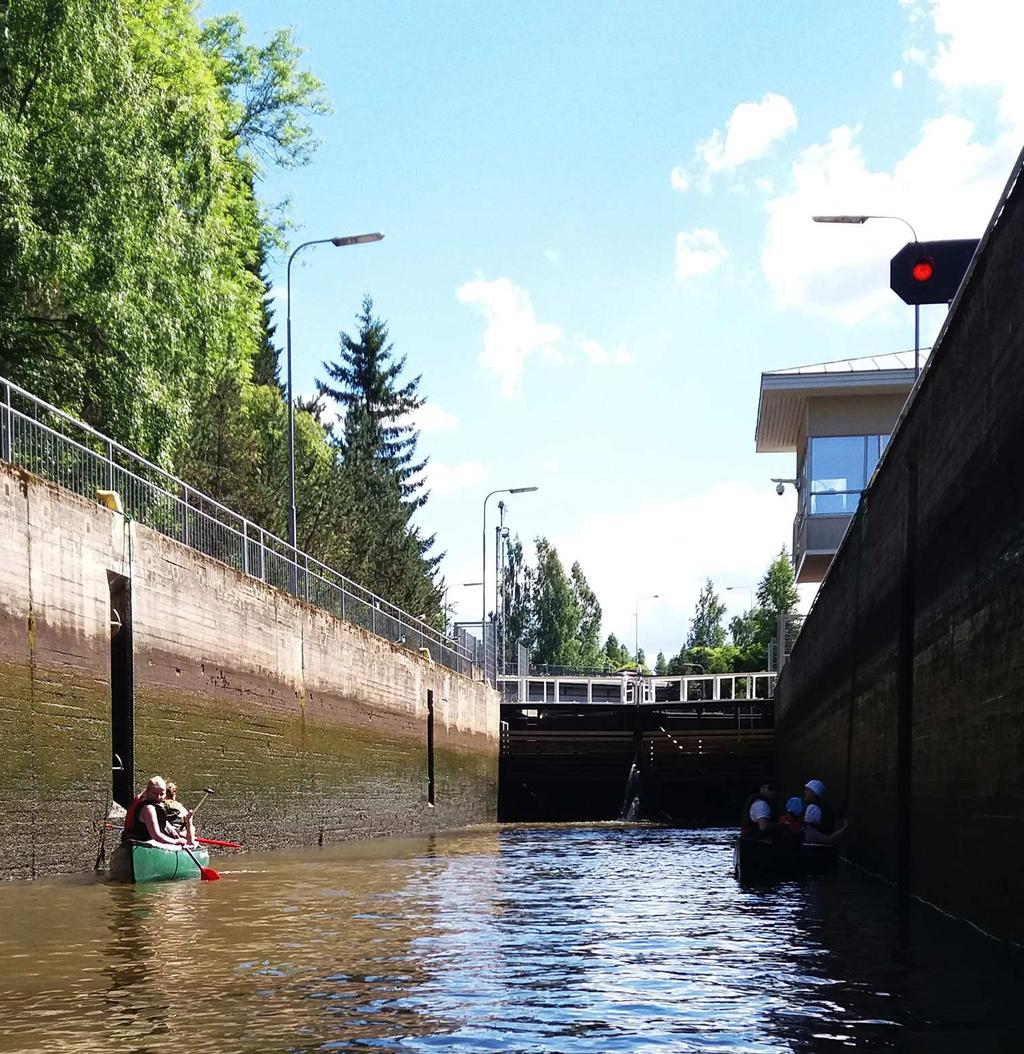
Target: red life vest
{"points": [[134, 828]]}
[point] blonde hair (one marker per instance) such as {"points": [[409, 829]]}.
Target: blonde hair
{"points": [[172, 790], [157, 783]]}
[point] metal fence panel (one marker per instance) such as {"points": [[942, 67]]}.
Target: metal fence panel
{"points": [[50, 443]]}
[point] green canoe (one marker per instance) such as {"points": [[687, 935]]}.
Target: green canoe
{"points": [[137, 862]]}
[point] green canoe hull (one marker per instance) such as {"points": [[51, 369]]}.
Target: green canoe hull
{"points": [[147, 863]]}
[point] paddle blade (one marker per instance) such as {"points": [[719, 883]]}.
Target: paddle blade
{"points": [[207, 874]]}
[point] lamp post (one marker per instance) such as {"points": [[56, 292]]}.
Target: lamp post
{"points": [[636, 626], [483, 564], [341, 240], [917, 307]]}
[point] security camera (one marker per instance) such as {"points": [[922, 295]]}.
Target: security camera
{"points": [[780, 489]]}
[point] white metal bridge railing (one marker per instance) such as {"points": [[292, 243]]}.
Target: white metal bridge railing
{"points": [[628, 688], [50, 443]]}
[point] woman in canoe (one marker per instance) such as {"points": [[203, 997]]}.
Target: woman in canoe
{"points": [[146, 820], [179, 818]]}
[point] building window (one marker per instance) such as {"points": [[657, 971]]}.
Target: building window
{"points": [[839, 470]]}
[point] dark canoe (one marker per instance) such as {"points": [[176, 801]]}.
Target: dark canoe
{"points": [[758, 858], [137, 862]]}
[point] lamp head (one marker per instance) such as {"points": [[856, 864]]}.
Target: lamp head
{"points": [[840, 219], [522, 490], [357, 239]]}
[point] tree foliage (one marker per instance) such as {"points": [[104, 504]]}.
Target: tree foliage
{"points": [[134, 289], [267, 93], [557, 615], [127, 224], [750, 634], [383, 478], [706, 629]]}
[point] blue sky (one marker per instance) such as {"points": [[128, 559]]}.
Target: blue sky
{"points": [[598, 235]]}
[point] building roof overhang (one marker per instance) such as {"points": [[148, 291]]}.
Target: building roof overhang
{"points": [[781, 410]]}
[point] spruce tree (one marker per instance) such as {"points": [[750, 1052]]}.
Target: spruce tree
{"points": [[384, 484], [266, 363]]}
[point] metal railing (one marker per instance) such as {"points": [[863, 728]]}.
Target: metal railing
{"points": [[50, 443], [628, 688]]}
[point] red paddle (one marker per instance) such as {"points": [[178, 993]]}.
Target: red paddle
{"points": [[207, 874], [201, 841]]}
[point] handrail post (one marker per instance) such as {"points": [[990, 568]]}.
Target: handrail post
{"points": [[110, 465], [5, 450], [263, 557], [245, 546], [184, 532]]}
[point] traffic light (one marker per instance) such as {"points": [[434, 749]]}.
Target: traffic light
{"points": [[930, 272]]}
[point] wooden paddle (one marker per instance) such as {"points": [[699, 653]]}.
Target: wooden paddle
{"points": [[207, 874]]}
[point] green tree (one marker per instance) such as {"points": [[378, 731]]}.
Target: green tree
{"points": [[588, 609], [517, 597], [266, 365], [555, 620], [706, 630], [616, 655], [268, 94], [661, 664], [753, 631], [126, 221], [384, 484]]}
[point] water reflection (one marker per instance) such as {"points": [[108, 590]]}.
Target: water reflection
{"points": [[521, 939]]}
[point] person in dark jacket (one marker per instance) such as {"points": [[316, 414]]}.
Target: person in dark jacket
{"points": [[758, 819], [146, 820]]}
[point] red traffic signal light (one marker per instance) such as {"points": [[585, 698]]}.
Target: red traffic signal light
{"points": [[923, 270], [930, 272]]}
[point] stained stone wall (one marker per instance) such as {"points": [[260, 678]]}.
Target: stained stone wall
{"points": [[310, 729]]}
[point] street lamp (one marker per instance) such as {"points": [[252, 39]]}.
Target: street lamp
{"points": [[341, 240], [917, 307], [750, 591], [636, 626], [483, 565]]}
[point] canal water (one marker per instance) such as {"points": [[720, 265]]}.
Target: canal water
{"points": [[539, 939]]}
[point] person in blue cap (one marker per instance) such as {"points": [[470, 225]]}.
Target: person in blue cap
{"points": [[792, 818]]}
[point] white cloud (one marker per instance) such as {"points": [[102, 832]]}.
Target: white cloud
{"points": [[600, 355], [513, 332], [699, 251], [979, 47], [552, 256], [897, 79], [670, 547], [680, 180], [514, 335], [946, 186], [446, 479], [431, 417], [750, 132]]}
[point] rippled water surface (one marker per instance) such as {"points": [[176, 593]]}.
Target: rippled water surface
{"points": [[515, 939]]}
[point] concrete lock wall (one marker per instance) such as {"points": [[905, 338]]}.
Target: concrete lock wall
{"points": [[309, 728], [905, 690]]}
